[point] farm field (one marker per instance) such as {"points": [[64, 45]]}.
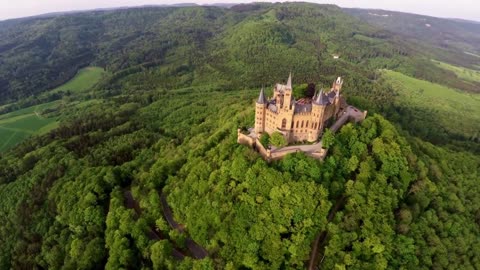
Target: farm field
{"points": [[456, 111], [19, 125], [84, 80]]}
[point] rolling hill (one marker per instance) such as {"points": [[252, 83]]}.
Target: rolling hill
{"points": [[455, 41], [200, 44], [136, 164]]}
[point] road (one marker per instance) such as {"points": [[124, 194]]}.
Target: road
{"points": [[321, 239], [153, 233], [197, 251]]}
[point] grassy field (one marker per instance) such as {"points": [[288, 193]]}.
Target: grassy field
{"points": [[19, 125], [463, 73], [455, 110], [368, 39], [84, 80]]}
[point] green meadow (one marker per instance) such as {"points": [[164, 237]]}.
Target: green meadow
{"points": [[85, 79], [461, 72], [19, 125], [456, 111]]}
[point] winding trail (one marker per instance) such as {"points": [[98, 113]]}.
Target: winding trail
{"points": [[153, 233], [194, 249], [197, 251], [321, 240]]}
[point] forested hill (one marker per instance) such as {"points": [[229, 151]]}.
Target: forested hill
{"points": [[456, 41], [242, 46], [134, 163]]}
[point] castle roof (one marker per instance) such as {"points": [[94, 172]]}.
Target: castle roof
{"points": [[272, 107], [302, 107], [261, 98], [321, 98], [289, 81], [331, 96]]}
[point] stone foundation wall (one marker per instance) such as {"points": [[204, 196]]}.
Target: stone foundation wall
{"points": [[266, 153], [244, 139]]}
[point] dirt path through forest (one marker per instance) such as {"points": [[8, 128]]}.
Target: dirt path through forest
{"points": [[321, 240]]}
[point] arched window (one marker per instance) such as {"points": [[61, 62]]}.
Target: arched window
{"points": [[292, 125], [302, 123], [284, 123], [307, 124], [297, 124]]}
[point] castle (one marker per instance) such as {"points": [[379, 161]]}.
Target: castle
{"points": [[298, 120]]}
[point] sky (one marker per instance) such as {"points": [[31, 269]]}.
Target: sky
{"points": [[463, 9]]}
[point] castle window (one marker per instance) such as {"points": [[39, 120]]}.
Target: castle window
{"points": [[297, 124], [307, 124], [292, 125], [302, 123], [284, 123]]}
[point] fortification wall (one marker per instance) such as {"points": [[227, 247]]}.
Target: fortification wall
{"points": [[266, 153], [244, 139]]}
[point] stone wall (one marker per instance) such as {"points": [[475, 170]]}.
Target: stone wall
{"points": [[244, 139], [266, 153]]}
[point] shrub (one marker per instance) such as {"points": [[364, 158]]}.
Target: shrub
{"points": [[278, 140]]}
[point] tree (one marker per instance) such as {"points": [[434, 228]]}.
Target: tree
{"points": [[328, 138], [278, 139], [160, 252], [265, 139]]}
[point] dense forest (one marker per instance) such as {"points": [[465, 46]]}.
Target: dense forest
{"points": [[144, 170]]}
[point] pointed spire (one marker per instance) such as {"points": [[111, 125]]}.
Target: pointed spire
{"points": [[261, 98], [320, 98], [289, 81]]}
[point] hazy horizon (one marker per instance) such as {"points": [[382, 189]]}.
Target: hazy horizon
{"points": [[461, 9]]}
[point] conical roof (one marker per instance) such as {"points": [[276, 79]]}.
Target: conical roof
{"points": [[320, 99], [261, 98], [289, 81]]}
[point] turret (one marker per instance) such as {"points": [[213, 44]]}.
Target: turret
{"points": [[289, 81], [260, 106], [288, 97], [261, 98], [337, 85], [318, 110], [320, 99]]}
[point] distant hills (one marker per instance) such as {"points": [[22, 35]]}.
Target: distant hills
{"points": [[452, 37], [236, 45]]}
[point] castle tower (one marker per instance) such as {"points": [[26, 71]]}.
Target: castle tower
{"points": [[287, 98], [319, 105], [260, 107], [337, 85]]}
